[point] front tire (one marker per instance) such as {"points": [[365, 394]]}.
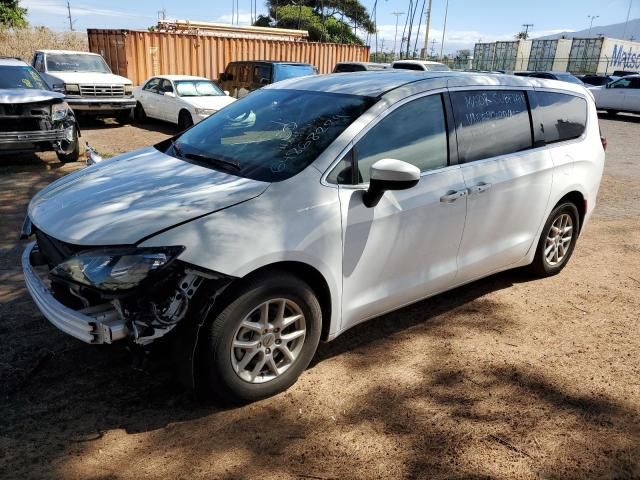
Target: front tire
{"points": [[74, 151], [261, 342], [557, 240], [185, 120], [125, 117], [139, 113]]}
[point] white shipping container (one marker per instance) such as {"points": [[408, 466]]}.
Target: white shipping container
{"points": [[512, 56], [483, 54], [549, 55], [603, 55]]}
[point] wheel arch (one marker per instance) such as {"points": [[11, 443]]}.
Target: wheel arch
{"points": [[307, 273], [579, 200]]}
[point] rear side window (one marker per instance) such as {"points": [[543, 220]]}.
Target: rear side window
{"points": [[490, 123], [563, 116]]}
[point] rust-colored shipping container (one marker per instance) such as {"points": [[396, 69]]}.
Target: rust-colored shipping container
{"points": [[139, 55]]}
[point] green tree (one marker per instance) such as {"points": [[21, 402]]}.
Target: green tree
{"points": [[326, 20], [12, 15], [522, 36]]}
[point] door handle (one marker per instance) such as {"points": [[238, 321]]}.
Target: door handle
{"points": [[480, 188], [453, 195]]}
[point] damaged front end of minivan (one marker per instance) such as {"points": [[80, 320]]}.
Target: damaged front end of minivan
{"points": [[106, 294]]}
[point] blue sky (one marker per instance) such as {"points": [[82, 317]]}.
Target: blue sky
{"points": [[468, 20]]}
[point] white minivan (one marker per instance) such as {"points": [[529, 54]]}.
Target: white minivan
{"points": [[309, 206]]}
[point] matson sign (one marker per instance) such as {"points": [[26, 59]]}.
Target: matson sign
{"points": [[627, 59]]}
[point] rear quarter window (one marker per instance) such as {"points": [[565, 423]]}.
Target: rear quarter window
{"points": [[490, 123], [563, 116]]}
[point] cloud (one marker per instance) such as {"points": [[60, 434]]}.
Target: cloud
{"points": [[454, 39], [51, 7], [244, 18]]}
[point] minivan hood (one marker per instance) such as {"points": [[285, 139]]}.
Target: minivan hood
{"points": [[130, 197], [90, 78], [26, 95]]}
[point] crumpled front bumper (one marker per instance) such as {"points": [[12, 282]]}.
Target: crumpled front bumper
{"points": [[33, 136], [98, 324]]}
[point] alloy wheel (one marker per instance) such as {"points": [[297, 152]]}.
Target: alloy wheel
{"points": [[268, 340], [558, 239]]}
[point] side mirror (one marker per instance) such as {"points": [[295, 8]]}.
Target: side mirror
{"points": [[169, 94], [389, 174], [264, 81], [227, 93]]}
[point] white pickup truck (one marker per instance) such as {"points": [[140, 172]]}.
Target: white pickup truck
{"points": [[88, 83]]}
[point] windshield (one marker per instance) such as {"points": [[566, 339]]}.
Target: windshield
{"points": [[437, 67], [284, 71], [21, 77], [197, 88], [269, 135], [76, 62]]}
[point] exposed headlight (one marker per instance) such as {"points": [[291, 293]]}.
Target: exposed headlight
{"points": [[71, 88], [59, 111], [128, 89], [115, 269], [205, 111]]}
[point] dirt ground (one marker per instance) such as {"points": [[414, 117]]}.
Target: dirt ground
{"points": [[505, 378]]}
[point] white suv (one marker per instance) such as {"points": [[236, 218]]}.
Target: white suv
{"points": [[88, 83], [308, 207]]}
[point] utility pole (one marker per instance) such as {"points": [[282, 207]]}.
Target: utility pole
{"points": [[71, 21], [433, 46], [162, 15], [592, 17], [427, 21], [526, 26], [395, 38], [444, 29], [626, 24]]}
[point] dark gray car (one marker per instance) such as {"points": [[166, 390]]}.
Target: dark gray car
{"points": [[33, 117]]}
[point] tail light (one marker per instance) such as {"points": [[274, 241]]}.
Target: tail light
{"points": [[605, 142]]}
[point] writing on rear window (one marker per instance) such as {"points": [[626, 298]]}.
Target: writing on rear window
{"points": [[486, 106]]}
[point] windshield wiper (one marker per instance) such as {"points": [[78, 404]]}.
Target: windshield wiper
{"points": [[176, 149], [206, 158]]}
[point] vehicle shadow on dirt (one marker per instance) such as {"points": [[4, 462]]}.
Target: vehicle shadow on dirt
{"points": [[59, 396], [150, 124], [620, 117]]}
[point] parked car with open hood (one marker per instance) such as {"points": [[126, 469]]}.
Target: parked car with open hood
{"points": [[308, 207], [181, 99], [86, 79], [240, 78], [32, 117]]}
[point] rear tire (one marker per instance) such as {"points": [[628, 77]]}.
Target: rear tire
{"points": [[241, 364], [185, 120], [557, 240]]}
